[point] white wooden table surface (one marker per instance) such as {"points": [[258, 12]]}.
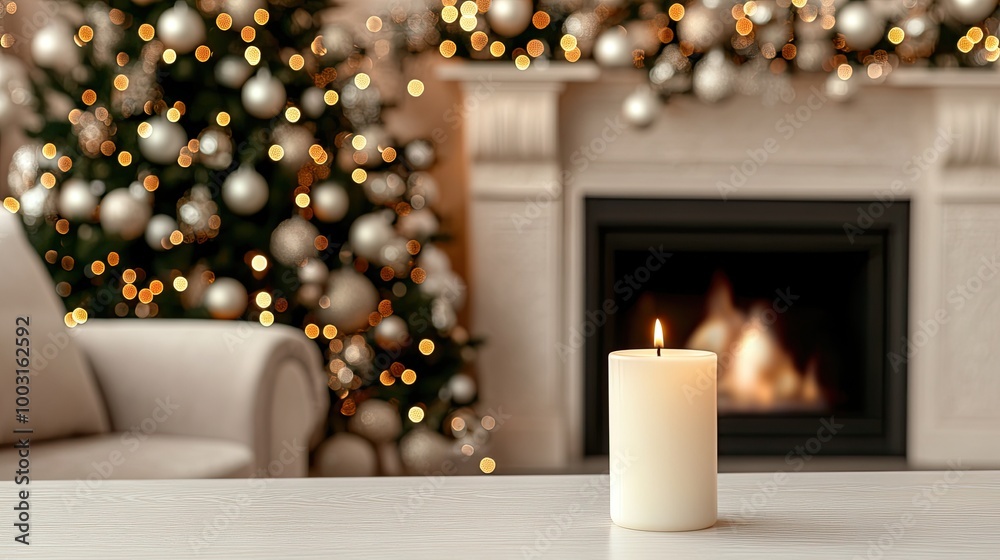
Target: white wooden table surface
{"points": [[909, 515]]}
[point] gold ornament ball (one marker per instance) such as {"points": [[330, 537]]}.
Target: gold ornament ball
{"points": [[377, 421], [293, 241], [352, 298], [424, 451], [346, 454]]}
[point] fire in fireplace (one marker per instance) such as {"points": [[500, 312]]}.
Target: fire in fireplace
{"points": [[799, 313], [756, 372]]}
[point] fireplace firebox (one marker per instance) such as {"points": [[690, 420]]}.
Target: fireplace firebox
{"points": [[801, 300]]}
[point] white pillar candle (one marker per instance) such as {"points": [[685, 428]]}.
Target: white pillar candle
{"points": [[663, 429]]}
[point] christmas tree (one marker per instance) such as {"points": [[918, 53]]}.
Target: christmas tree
{"points": [[225, 159]]}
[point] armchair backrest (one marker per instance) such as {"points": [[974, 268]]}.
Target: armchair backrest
{"points": [[63, 398]]}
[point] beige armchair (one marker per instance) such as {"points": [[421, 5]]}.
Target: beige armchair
{"points": [[139, 399]]}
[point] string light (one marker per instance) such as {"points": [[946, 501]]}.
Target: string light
{"points": [[224, 21]]}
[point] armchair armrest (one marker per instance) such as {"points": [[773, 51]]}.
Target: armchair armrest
{"points": [[261, 386]]}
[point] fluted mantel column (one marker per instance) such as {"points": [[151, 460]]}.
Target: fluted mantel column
{"points": [[511, 126]]}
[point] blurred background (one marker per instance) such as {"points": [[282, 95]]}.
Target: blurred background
{"points": [[442, 215]]}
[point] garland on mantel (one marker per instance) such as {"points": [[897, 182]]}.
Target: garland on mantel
{"points": [[717, 48]]}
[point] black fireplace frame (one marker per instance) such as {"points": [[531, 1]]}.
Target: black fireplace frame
{"points": [[882, 429]]}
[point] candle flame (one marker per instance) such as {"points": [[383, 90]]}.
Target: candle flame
{"points": [[658, 335]]}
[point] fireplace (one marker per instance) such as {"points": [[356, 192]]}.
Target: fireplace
{"points": [[800, 300]]}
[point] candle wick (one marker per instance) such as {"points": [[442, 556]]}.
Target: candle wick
{"points": [[657, 351]]}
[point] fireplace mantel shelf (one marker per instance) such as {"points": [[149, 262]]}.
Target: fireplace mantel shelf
{"points": [[588, 71]]}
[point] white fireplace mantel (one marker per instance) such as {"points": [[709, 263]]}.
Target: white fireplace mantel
{"points": [[540, 141]]}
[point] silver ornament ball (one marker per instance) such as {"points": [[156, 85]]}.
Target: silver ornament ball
{"points": [[369, 233], [377, 421], [337, 41], [293, 241], [180, 28], [612, 48], [313, 103], [424, 185], [158, 230], [53, 47], [242, 10], [463, 388], [164, 142], [245, 191], [382, 188], [263, 95], [215, 148], [124, 214], [508, 18], [713, 77], [392, 333], [330, 202], [970, 12], [420, 154], [76, 202], [861, 27], [702, 27], [841, 90], [313, 271], [424, 451], [418, 224], [641, 107], [295, 141], [352, 298], [232, 71], [226, 298]]}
